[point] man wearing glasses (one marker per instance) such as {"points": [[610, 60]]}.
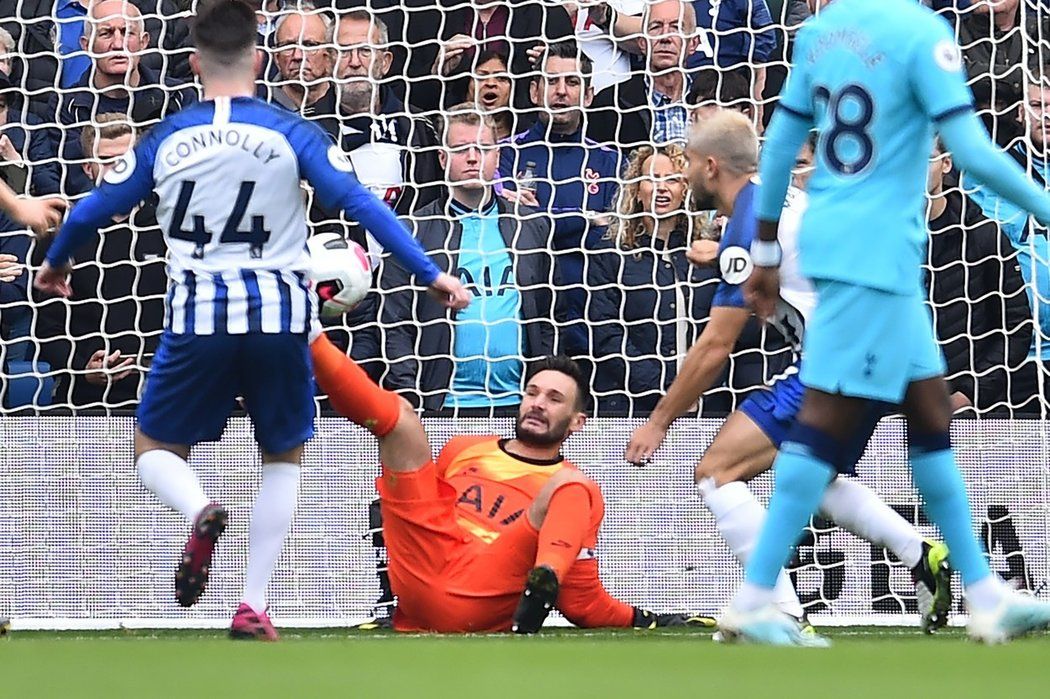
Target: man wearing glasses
{"points": [[303, 47]]}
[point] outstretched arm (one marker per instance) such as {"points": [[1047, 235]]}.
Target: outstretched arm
{"points": [[703, 364], [584, 601], [971, 149], [330, 173]]}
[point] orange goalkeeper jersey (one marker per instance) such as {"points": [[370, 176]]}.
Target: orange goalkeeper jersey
{"points": [[495, 489]]}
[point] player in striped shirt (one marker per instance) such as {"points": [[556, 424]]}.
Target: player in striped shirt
{"points": [[723, 158], [227, 172], [876, 80]]}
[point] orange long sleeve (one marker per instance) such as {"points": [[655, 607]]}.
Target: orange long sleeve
{"points": [[585, 602]]}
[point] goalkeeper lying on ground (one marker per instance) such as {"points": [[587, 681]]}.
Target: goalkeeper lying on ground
{"points": [[497, 532]]}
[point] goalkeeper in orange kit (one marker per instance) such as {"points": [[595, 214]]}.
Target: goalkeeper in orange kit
{"points": [[497, 532]]}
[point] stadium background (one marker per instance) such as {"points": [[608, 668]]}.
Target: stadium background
{"points": [[69, 493]]}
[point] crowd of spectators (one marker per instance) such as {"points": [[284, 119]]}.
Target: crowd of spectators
{"points": [[535, 150]]}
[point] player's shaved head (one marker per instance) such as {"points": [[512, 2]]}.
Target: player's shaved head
{"points": [[729, 137], [225, 33]]}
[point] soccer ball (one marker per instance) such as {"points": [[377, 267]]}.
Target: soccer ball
{"points": [[341, 273]]}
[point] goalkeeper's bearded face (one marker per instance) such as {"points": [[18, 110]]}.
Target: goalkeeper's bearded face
{"points": [[549, 412]]}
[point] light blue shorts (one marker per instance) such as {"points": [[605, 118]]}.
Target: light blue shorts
{"points": [[867, 343]]}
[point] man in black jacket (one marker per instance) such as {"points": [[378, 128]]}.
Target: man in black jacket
{"points": [[394, 152], [472, 362], [977, 296], [38, 35], [303, 54], [117, 82], [28, 166], [102, 336]]}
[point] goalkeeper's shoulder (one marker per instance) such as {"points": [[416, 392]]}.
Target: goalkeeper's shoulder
{"points": [[456, 446]]}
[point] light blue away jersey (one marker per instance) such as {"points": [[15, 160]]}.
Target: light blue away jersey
{"points": [[873, 78]]}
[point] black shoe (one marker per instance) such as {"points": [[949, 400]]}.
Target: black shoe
{"points": [[933, 585], [541, 592]]}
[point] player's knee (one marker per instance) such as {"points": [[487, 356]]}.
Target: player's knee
{"points": [[405, 411], [718, 467], [560, 479], [406, 420]]}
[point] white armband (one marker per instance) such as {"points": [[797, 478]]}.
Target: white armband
{"points": [[765, 253]]}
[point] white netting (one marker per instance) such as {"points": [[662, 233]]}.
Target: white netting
{"points": [[629, 316], [83, 545]]}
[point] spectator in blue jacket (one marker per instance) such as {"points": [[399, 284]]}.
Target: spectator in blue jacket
{"points": [[553, 167], [735, 34], [28, 164]]}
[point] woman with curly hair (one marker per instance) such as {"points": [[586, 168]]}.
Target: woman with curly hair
{"points": [[651, 285]]}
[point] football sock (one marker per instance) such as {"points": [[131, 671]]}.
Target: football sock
{"points": [[986, 593], [351, 391], [564, 528], [938, 480], [739, 518], [271, 517], [857, 509], [170, 478], [801, 478]]}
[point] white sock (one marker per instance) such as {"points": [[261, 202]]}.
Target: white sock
{"points": [[985, 594], [271, 517], [751, 597], [171, 479], [739, 517], [857, 509]]}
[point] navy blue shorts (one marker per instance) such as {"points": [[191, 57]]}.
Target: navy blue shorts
{"points": [[774, 411], [195, 380]]}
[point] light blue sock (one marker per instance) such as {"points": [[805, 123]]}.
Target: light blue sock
{"points": [[801, 479], [938, 480]]}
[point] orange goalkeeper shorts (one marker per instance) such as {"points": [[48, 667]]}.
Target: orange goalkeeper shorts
{"points": [[445, 578]]}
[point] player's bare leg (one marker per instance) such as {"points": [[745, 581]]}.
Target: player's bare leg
{"points": [[271, 518], [805, 466], [997, 613], [561, 513], [740, 452], [163, 470]]}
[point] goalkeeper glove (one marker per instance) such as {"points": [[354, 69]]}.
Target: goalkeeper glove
{"points": [[644, 619]]}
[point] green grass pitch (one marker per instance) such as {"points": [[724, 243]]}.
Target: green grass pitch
{"points": [[883, 663]]}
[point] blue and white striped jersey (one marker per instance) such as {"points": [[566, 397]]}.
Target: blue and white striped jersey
{"points": [[227, 174], [797, 295]]}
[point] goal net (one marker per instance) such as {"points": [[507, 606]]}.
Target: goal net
{"points": [[595, 219]]}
